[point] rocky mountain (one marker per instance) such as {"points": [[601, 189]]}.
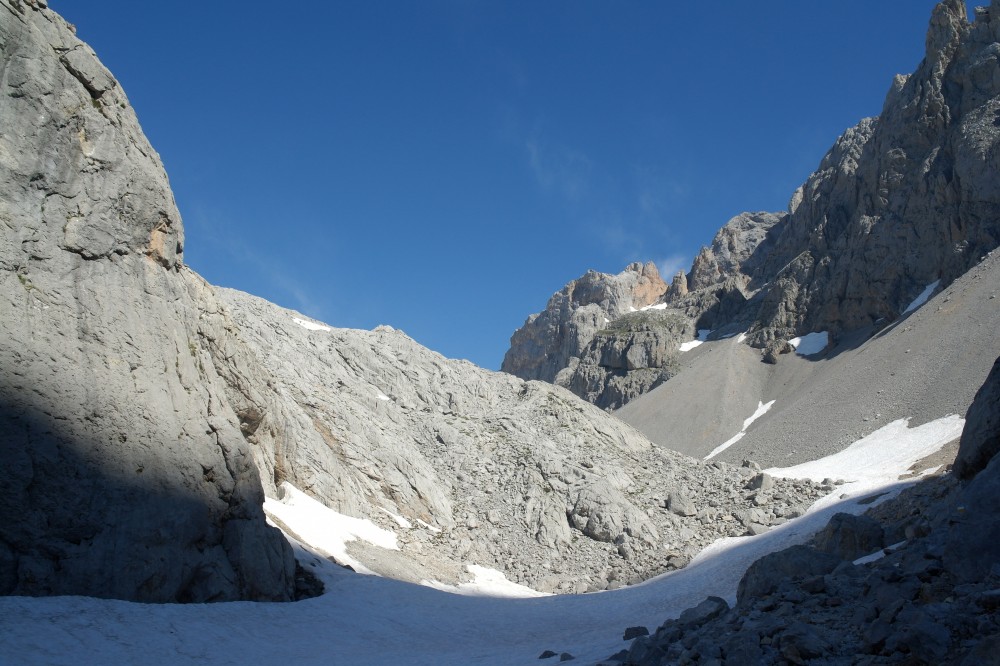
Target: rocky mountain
{"points": [[486, 468], [900, 202], [146, 413], [553, 340]]}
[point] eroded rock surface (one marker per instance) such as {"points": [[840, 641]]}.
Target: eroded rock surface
{"points": [[487, 469], [124, 472], [899, 202]]}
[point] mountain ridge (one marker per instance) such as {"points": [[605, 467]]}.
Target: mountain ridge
{"points": [[897, 203]]}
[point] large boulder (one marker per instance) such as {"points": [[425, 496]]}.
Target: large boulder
{"points": [[981, 435], [789, 565]]}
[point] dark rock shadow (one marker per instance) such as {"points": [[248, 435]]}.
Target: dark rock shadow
{"points": [[78, 519]]}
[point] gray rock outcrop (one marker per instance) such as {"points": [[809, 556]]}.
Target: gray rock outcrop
{"points": [[124, 471], [899, 202], [981, 436], [555, 338]]}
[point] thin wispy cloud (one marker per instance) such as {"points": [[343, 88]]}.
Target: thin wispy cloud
{"points": [[216, 230], [672, 264], [566, 171]]}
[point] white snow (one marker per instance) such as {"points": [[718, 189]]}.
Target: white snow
{"points": [[743, 336], [428, 526], [487, 583], [863, 462], [923, 297], [811, 343], [878, 554], [373, 620], [657, 306], [323, 528], [703, 334], [760, 411], [725, 445], [402, 522], [311, 325], [382, 396]]}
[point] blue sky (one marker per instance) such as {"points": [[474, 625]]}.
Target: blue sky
{"points": [[445, 166]]}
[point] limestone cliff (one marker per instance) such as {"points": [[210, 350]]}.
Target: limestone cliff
{"points": [[899, 202], [123, 468], [555, 338]]}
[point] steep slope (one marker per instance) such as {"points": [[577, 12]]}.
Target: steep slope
{"points": [[124, 471], [923, 367], [899, 202], [919, 573], [470, 466]]}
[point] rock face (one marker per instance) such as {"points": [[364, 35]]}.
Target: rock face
{"points": [[981, 437], [124, 471], [899, 202], [555, 338], [629, 356]]}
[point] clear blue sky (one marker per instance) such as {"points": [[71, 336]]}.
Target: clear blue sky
{"points": [[445, 166]]}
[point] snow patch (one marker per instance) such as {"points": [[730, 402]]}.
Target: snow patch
{"points": [[703, 334], [382, 396], [743, 336], [427, 526], [688, 346], [323, 528], [761, 410], [311, 325], [879, 554], [725, 445], [657, 306], [487, 582], [877, 460], [402, 522], [811, 343], [923, 297]]}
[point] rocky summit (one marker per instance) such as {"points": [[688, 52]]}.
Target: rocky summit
{"points": [[900, 202]]}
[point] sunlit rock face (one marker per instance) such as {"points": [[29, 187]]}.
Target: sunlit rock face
{"points": [[900, 201], [124, 470]]}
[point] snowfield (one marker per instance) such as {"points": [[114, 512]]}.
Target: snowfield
{"points": [[761, 410], [364, 619]]}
